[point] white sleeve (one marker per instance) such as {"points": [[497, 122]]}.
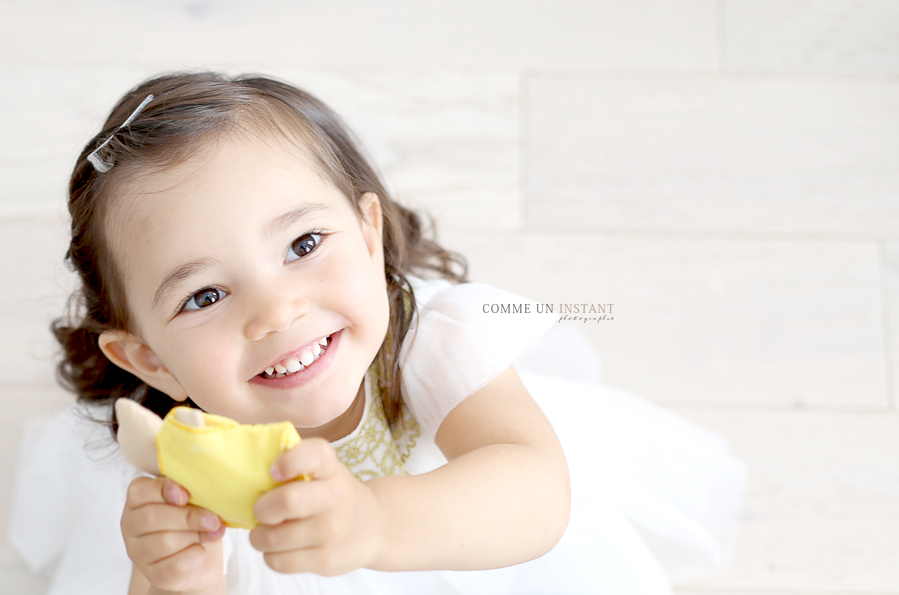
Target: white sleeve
{"points": [[462, 338], [67, 503]]}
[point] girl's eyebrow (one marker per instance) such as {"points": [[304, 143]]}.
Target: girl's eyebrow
{"points": [[287, 219], [182, 272]]}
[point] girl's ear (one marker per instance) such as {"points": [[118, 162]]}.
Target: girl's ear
{"points": [[127, 352], [370, 206]]}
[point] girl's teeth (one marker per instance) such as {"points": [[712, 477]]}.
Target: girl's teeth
{"points": [[289, 366]]}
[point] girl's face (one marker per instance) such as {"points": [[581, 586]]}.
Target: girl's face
{"points": [[243, 260]]}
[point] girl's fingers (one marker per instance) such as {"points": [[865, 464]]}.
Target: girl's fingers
{"points": [[178, 571], [287, 536], [294, 500], [312, 559], [206, 537], [151, 518], [148, 490], [174, 494], [303, 499], [313, 457], [158, 546], [160, 505]]}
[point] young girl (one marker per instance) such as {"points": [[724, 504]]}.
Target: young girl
{"points": [[238, 254]]}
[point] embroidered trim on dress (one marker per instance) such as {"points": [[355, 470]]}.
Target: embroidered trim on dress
{"points": [[373, 450]]}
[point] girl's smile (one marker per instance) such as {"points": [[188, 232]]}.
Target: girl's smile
{"points": [[299, 360], [303, 366], [253, 286]]}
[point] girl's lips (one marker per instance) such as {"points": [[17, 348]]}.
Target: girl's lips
{"points": [[319, 366]]}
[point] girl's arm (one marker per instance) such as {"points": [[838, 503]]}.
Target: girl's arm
{"points": [[503, 497]]}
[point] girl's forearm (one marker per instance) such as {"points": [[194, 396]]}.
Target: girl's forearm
{"points": [[499, 505], [139, 585]]}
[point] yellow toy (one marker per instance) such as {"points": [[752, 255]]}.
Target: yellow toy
{"points": [[224, 465]]}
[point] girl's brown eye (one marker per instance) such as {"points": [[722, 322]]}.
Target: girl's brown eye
{"points": [[303, 245], [204, 298]]}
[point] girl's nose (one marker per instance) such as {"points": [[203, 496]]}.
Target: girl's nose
{"points": [[274, 312]]}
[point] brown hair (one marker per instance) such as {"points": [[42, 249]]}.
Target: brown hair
{"points": [[189, 109]]}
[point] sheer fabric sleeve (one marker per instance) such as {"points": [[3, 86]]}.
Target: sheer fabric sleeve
{"points": [[462, 338], [67, 503]]}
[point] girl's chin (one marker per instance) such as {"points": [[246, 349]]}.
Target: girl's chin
{"points": [[332, 427]]}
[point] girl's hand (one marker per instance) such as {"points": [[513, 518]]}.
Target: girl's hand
{"points": [[328, 525], [177, 547]]}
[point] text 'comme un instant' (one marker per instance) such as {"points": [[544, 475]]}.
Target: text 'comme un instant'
{"points": [[597, 312]]}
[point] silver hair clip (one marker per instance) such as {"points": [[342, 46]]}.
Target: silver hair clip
{"points": [[94, 157]]}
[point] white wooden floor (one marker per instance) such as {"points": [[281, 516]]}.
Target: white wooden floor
{"points": [[725, 172]]}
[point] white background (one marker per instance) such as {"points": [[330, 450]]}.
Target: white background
{"points": [[725, 172]]}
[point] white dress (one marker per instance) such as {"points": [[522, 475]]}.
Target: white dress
{"points": [[654, 498]]}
